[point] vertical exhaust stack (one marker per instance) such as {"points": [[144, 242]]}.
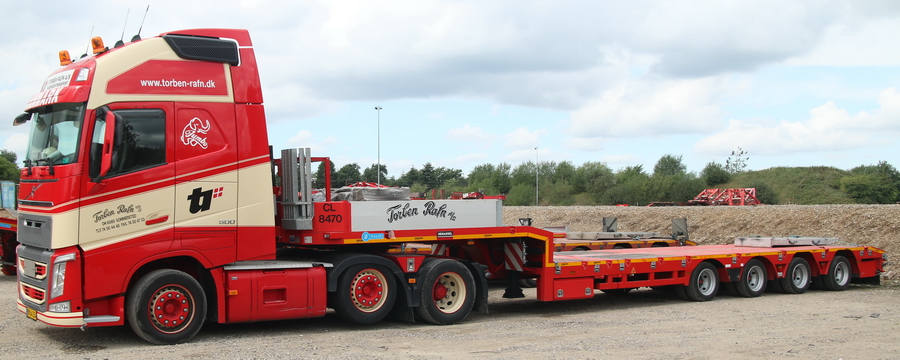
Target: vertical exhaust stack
{"points": [[296, 184]]}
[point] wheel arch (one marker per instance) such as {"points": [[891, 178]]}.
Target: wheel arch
{"points": [[852, 259], [341, 261], [811, 261], [184, 263]]}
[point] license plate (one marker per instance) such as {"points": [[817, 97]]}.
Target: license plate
{"points": [[31, 313]]}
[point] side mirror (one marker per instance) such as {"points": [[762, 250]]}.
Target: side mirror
{"points": [[108, 137], [21, 119]]}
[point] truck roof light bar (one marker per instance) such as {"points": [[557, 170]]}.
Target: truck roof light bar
{"points": [[64, 58], [97, 44]]}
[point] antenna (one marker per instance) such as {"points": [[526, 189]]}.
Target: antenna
{"points": [[138, 36], [89, 44], [120, 42]]}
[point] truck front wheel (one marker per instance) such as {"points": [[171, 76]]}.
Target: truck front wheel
{"points": [[448, 292], [365, 294], [166, 307]]}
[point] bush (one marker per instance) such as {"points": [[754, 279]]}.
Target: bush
{"points": [[764, 193], [714, 174]]}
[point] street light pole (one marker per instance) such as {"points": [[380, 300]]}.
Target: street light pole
{"points": [[537, 170], [378, 168]]}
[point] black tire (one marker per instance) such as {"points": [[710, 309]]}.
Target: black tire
{"points": [[753, 279], [365, 294], [166, 307], [659, 244], [798, 277], [448, 292], [703, 285], [839, 274], [528, 283], [622, 246]]}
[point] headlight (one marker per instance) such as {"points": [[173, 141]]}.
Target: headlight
{"points": [[59, 275]]}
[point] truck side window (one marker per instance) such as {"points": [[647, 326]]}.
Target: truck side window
{"points": [[140, 140]]}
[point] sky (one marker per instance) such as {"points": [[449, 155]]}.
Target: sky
{"points": [[463, 83]]}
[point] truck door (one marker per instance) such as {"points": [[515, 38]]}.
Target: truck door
{"points": [[128, 214], [206, 193]]}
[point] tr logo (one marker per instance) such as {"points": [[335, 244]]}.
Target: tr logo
{"points": [[202, 200]]}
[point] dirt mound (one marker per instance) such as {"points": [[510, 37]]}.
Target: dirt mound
{"points": [[872, 225]]}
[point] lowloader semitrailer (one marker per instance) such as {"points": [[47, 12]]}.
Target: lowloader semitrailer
{"points": [[151, 197]]}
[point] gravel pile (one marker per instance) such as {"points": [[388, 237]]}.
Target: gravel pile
{"points": [[872, 225]]}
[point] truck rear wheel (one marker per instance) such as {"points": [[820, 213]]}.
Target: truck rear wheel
{"points": [[703, 285], [448, 292], [797, 279], [839, 274], [166, 307], [365, 294], [753, 279]]}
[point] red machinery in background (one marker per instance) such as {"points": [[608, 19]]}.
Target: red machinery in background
{"points": [[730, 197]]}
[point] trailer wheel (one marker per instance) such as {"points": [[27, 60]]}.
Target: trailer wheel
{"points": [[839, 274], [166, 307], [753, 279], [365, 294], [703, 286], [797, 279], [448, 292]]}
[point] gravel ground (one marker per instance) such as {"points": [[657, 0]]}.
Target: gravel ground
{"points": [[860, 323]]}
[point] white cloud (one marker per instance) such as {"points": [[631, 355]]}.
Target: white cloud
{"points": [[828, 128], [621, 160], [648, 108], [305, 138], [521, 139], [471, 134]]}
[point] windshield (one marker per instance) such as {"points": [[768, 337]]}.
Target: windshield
{"points": [[55, 131]]}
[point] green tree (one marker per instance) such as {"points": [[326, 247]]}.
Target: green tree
{"points": [[410, 177], [500, 180], [370, 174], [319, 182], [883, 172], [348, 174], [520, 195], [8, 169], [593, 179], [714, 174], [630, 188], [869, 188], [669, 165]]}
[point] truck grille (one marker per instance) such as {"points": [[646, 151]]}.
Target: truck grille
{"points": [[32, 268], [33, 294]]}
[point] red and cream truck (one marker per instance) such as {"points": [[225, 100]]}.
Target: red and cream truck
{"points": [[150, 197]]}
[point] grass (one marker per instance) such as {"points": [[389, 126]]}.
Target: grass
{"points": [[797, 185]]}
